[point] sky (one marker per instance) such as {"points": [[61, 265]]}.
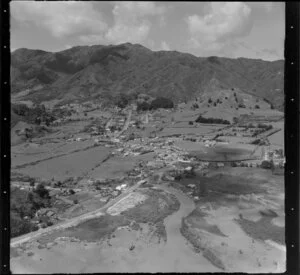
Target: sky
{"points": [[228, 29]]}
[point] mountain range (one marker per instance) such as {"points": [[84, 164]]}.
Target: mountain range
{"points": [[104, 72]]}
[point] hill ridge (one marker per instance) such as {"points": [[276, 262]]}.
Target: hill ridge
{"points": [[102, 71]]}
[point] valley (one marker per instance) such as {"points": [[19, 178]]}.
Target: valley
{"points": [[182, 187]]}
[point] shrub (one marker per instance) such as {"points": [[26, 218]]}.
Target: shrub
{"points": [[71, 192], [75, 201], [209, 100], [242, 105], [191, 123], [195, 105], [256, 107]]}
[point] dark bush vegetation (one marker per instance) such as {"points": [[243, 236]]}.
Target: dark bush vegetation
{"points": [[123, 100], [256, 107], [143, 106], [35, 115], [211, 120], [24, 205], [161, 102], [267, 164], [42, 191], [58, 112], [235, 120], [214, 59], [265, 126], [19, 226], [63, 63], [256, 142], [105, 54]]}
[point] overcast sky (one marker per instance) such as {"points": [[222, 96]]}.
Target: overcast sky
{"points": [[230, 29]]}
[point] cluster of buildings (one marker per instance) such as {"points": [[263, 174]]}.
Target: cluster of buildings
{"points": [[275, 155]]}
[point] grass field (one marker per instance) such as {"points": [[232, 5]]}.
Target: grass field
{"points": [[76, 164]]}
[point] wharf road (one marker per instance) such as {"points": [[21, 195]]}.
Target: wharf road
{"points": [[72, 222]]}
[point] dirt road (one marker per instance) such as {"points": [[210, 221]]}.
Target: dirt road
{"points": [[71, 222]]}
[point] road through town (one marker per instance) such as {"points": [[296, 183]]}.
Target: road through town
{"points": [[72, 222]]}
